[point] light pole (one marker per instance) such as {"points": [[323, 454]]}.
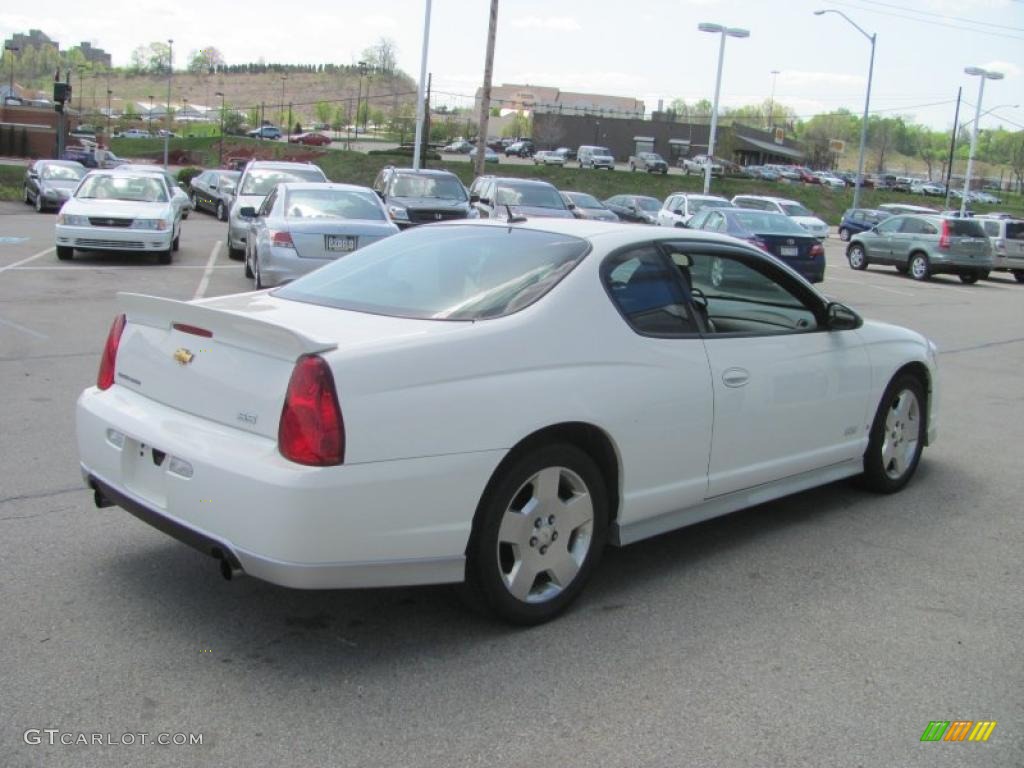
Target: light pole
{"points": [[421, 96], [170, 74], [724, 32], [151, 114], [109, 92], [184, 115], [13, 49], [281, 111], [220, 151], [982, 75], [771, 101], [867, 101], [359, 95], [81, 88]]}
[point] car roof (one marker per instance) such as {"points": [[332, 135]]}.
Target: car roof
{"points": [[521, 180], [299, 186], [423, 171], [279, 164], [769, 198], [69, 163]]}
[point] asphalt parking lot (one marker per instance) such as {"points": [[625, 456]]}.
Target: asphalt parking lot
{"points": [[825, 629]]}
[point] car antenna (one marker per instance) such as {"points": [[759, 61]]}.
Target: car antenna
{"points": [[513, 218]]}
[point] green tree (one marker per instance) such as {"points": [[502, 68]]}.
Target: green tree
{"points": [[232, 121], [253, 116], [205, 60], [323, 112]]}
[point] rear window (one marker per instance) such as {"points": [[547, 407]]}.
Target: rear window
{"points": [[536, 195], [458, 272], [700, 204], [965, 228], [795, 209], [1015, 230], [582, 200], [648, 204], [767, 223], [260, 181], [332, 204]]}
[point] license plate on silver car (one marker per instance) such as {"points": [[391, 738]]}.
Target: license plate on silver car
{"points": [[339, 242], [788, 250]]}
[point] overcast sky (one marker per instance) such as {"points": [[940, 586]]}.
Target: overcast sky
{"points": [[649, 50]]}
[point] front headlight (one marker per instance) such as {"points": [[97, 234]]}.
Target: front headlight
{"points": [[151, 224], [398, 212], [72, 221]]}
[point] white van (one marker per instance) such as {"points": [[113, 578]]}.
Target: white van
{"points": [[595, 157]]}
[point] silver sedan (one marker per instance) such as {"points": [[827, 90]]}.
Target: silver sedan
{"points": [[302, 226]]}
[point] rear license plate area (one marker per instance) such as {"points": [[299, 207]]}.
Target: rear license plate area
{"points": [[145, 471], [342, 243], [789, 250]]}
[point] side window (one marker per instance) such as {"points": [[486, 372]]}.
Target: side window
{"points": [[991, 228], [268, 204], [748, 297], [889, 226], [715, 222], [378, 183], [912, 226], [647, 290]]}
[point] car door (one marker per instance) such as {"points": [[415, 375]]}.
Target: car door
{"points": [[878, 242], [910, 233], [665, 439], [258, 235], [791, 396]]}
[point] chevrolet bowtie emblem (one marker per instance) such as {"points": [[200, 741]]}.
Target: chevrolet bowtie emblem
{"points": [[183, 356]]}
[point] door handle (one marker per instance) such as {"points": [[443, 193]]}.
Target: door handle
{"points": [[735, 377]]}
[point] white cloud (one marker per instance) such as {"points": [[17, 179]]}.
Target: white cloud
{"points": [[380, 22], [593, 81], [554, 23], [795, 78]]}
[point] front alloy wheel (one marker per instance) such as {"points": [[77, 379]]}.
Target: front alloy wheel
{"points": [[538, 535], [857, 257], [897, 436]]}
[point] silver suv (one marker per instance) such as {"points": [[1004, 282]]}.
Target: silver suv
{"points": [[1007, 238], [258, 180], [922, 246]]}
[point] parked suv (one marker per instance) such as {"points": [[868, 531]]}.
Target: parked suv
{"points": [[519, 149], [924, 246], [420, 197], [651, 162], [796, 211], [595, 157], [496, 197], [265, 132], [679, 208], [859, 220], [1007, 238], [258, 179]]}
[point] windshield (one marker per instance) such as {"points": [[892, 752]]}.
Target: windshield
{"points": [[261, 181], [140, 189], [601, 151], [444, 273], [332, 204], [63, 172], [795, 209], [416, 185], [648, 204], [535, 195], [582, 200], [764, 223], [697, 204]]}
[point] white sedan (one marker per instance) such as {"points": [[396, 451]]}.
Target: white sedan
{"points": [[546, 157], [116, 210], [494, 403]]}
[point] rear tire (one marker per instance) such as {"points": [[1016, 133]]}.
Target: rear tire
{"points": [[969, 278], [538, 534], [235, 254], [221, 212], [65, 253], [897, 436], [163, 257], [1018, 275], [39, 203], [256, 270], [857, 257], [844, 234], [248, 267], [176, 243], [919, 267]]}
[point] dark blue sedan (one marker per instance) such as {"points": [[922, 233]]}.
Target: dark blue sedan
{"points": [[857, 220], [774, 233]]}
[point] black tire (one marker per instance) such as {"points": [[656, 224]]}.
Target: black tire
{"points": [[163, 257], [485, 585], [983, 274], [39, 203], [235, 254], [857, 257], [969, 278], [27, 196], [919, 266], [844, 234], [176, 242], [221, 211], [248, 268], [632, 167], [1018, 275], [256, 273], [902, 269], [65, 252], [876, 477]]}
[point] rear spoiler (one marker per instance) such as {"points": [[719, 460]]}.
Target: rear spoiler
{"points": [[235, 329]]}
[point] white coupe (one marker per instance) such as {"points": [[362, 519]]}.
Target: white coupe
{"points": [[493, 403]]}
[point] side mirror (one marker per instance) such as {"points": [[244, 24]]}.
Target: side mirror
{"points": [[485, 200], [247, 212], [474, 198], [842, 318], [678, 211], [571, 206]]}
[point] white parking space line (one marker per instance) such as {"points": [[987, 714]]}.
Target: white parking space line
{"points": [[204, 282], [51, 249], [869, 285], [23, 329]]}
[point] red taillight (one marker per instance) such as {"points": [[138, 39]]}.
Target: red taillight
{"points": [[281, 239], [105, 378], [311, 430], [817, 250], [944, 235], [759, 243]]}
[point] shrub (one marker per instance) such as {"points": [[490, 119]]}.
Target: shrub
{"points": [[185, 175]]}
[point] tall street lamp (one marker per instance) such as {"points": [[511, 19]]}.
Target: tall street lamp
{"points": [[109, 92], [725, 32], [151, 113], [982, 75], [771, 100], [359, 94], [81, 88], [867, 101], [13, 49], [220, 152], [280, 113], [170, 74]]}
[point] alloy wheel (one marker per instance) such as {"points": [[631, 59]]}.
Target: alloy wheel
{"points": [[902, 427]]}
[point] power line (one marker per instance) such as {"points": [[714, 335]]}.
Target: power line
{"points": [[925, 21], [942, 15]]}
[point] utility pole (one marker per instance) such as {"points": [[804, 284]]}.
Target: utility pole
{"points": [[170, 74], [421, 114], [952, 144], [485, 97], [426, 120]]}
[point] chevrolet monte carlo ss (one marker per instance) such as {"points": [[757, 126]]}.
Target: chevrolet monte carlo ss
{"points": [[492, 404]]}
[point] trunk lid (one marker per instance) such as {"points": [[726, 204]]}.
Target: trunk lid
{"points": [[331, 238], [789, 246]]}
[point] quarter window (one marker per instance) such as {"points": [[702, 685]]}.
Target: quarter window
{"points": [[647, 290], [890, 226]]}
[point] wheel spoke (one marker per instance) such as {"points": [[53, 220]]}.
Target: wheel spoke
{"points": [[888, 452], [545, 485], [515, 528], [521, 580], [904, 405], [899, 463], [577, 511], [563, 567]]}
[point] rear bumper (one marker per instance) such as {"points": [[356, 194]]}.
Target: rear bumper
{"points": [[955, 265], [384, 523]]}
